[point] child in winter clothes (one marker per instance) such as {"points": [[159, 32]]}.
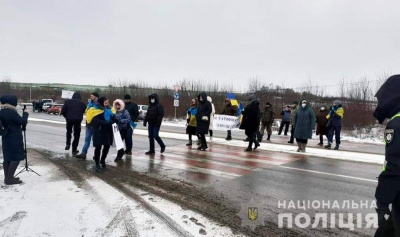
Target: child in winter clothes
{"points": [[123, 119]]}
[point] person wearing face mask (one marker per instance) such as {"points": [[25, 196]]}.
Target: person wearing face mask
{"points": [[322, 123], [304, 123], [292, 116], [267, 119], [388, 189], [335, 117], [250, 121], [154, 117], [191, 128], [203, 119]]}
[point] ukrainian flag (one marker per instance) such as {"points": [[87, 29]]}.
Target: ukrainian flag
{"points": [[234, 101]]}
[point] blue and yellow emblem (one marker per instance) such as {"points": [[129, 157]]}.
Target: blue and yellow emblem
{"points": [[252, 213]]}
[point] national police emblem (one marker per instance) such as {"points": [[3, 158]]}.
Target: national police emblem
{"points": [[389, 134], [251, 214]]}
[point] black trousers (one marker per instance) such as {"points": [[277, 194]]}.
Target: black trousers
{"points": [[302, 140], [286, 125], [97, 151], [73, 127], [203, 140], [292, 134]]}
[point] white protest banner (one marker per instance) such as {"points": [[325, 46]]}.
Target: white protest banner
{"points": [[119, 144], [67, 94], [225, 122]]}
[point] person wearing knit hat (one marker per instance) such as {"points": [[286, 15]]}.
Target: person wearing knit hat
{"points": [[93, 103], [251, 122], [267, 119], [133, 110], [335, 117], [101, 120]]}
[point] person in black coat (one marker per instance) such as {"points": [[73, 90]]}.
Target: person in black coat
{"points": [[251, 121], [203, 119], [388, 189], [73, 111], [133, 110], [102, 132], [12, 140], [154, 117]]}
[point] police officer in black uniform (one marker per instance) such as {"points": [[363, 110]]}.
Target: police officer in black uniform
{"points": [[388, 190]]}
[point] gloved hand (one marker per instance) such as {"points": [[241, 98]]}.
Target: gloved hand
{"points": [[144, 124], [114, 119], [381, 216]]}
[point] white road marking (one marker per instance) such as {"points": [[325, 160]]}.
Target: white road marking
{"points": [[329, 174]]}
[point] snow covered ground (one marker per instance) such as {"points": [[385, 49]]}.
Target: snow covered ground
{"points": [[55, 205]]}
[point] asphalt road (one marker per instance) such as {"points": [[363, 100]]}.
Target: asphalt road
{"points": [[233, 178]]}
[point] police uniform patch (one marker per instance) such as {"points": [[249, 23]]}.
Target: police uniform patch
{"points": [[389, 134]]}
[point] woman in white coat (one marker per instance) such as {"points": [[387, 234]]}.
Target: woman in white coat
{"points": [[211, 118]]}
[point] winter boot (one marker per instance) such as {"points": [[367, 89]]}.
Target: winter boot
{"points": [[10, 180], [67, 147], [299, 146], [150, 152], [329, 146], [256, 145], [228, 138], [260, 138], [74, 152], [336, 147], [248, 149], [189, 143], [81, 156], [6, 166], [163, 149], [303, 147], [269, 137]]}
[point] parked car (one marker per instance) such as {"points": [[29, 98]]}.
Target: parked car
{"points": [[42, 105], [55, 109], [142, 111], [46, 104]]}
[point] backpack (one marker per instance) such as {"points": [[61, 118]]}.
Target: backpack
{"points": [[2, 129]]}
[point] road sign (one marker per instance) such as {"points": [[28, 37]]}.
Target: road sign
{"points": [[176, 103], [176, 96]]}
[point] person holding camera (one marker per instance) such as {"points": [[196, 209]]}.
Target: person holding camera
{"points": [[12, 140]]}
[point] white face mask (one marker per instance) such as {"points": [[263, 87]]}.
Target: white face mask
{"points": [[323, 108], [303, 105], [153, 101], [201, 99]]}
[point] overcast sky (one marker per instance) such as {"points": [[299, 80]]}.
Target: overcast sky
{"points": [[161, 42]]}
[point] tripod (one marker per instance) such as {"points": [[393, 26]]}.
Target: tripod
{"points": [[26, 168]]}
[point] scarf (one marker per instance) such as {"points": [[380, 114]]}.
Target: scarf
{"points": [[8, 106]]}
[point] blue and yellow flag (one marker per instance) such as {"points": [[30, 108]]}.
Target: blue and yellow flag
{"points": [[234, 101]]}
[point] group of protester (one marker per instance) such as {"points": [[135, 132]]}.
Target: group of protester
{"points": [[300, 119], [100, 117]]}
